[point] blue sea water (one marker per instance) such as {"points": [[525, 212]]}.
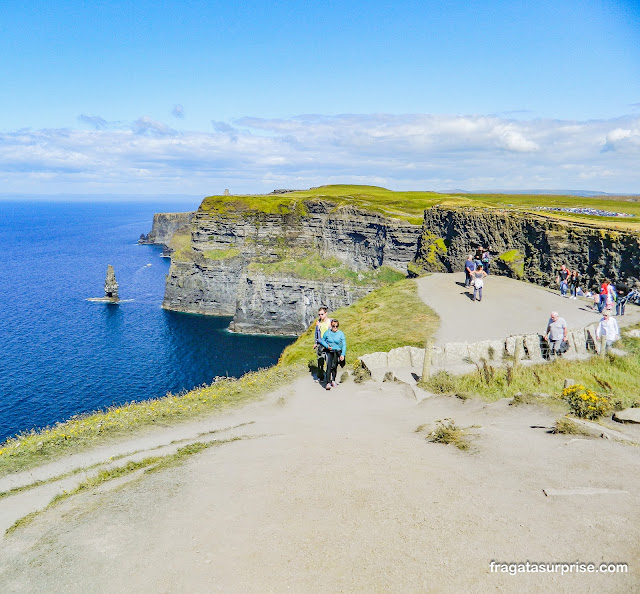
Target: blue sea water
{"points": [[63, 355]]}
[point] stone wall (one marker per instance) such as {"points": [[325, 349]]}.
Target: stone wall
{"points": [[462, 357]]}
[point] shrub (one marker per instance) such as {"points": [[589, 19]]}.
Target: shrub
{"points": [[441, 383], [448, 432], [568, 427], [585, 403]]}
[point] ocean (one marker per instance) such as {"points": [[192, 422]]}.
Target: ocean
{"points": [[63, 355]]}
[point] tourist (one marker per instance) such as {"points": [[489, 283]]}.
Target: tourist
{"points": [[608, 327], [478, 257], [478, 282], [323, 323], [562, 278], [612, 296], [335, 343], [604, 294], [622, 290], [469, 267], [486, 259], [574, 284], [556, 334]]}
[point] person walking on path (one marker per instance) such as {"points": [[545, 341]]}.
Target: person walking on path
{"points": [[469, 268], [556, 333], [562, 279], [622, 290], [574, 284], [608, 327], [604, 294], [478, 282], [336, 344], [486, 259], [323, 323]]}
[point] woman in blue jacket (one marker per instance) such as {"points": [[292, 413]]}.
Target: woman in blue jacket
{"points": [[335, 343]]}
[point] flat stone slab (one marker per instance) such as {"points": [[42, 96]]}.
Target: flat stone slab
{"points": [[400, 357], [417, 357], [628, 415], [375, 360], [583, 491], [532, 344], [634, 333], [421, 394]]}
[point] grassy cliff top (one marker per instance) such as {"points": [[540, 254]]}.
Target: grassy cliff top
{"points": [[409, 206]]}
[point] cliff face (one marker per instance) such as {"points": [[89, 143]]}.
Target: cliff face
{"points": [[237, 263], [165, 225], [271, 305], [272, 270], [525, 245]]}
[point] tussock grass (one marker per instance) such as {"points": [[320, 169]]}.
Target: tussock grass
{"points": [[446, 431], [386, 318], [622, 374], [566, 426]]}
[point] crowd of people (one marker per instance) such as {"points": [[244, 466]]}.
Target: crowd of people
{"points": [[606, 295]]}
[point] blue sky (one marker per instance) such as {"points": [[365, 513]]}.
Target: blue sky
{"points": [[192, 97]]}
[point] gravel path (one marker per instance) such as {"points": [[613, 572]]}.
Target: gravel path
{"points": [[335, 491], [508, 307]]}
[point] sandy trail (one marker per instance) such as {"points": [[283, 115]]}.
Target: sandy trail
{"points": [[335, 491], [508, 307]]}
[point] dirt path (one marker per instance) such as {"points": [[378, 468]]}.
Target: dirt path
{"points": [[336, 492], [508, 307]]}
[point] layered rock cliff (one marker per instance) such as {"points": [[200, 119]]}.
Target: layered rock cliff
{"points": [[165, 225], [272, 271], [270, 265], [526, 245]]}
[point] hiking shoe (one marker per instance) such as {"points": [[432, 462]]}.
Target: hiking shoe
{"points": [[334, 384], [328, 386]]}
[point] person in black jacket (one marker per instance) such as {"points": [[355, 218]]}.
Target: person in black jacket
{"points": [[622, 290]]}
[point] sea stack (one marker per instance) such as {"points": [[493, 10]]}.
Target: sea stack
{"points": [[111, 285]]}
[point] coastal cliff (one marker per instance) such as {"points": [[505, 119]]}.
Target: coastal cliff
{"points": [[272, 270], [525, 245], [270, 261], [165, 226]]}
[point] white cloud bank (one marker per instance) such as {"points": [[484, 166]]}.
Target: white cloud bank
{"points": [[419, 152]]}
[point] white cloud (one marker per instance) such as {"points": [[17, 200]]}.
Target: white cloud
{"points": [[255, 154]]}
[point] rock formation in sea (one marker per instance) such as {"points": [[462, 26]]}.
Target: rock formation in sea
{"points": [[111, 285]]}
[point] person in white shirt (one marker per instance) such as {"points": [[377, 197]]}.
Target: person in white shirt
{"points": [[608, 327]]}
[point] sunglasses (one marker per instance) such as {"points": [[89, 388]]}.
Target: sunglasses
{"points": [[334, 325]]}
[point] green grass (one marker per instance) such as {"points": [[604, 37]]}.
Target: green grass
{"points": [[410, 206], [387, 318], [181, 246], [221, 254], [328, 269], [621, 373]]}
